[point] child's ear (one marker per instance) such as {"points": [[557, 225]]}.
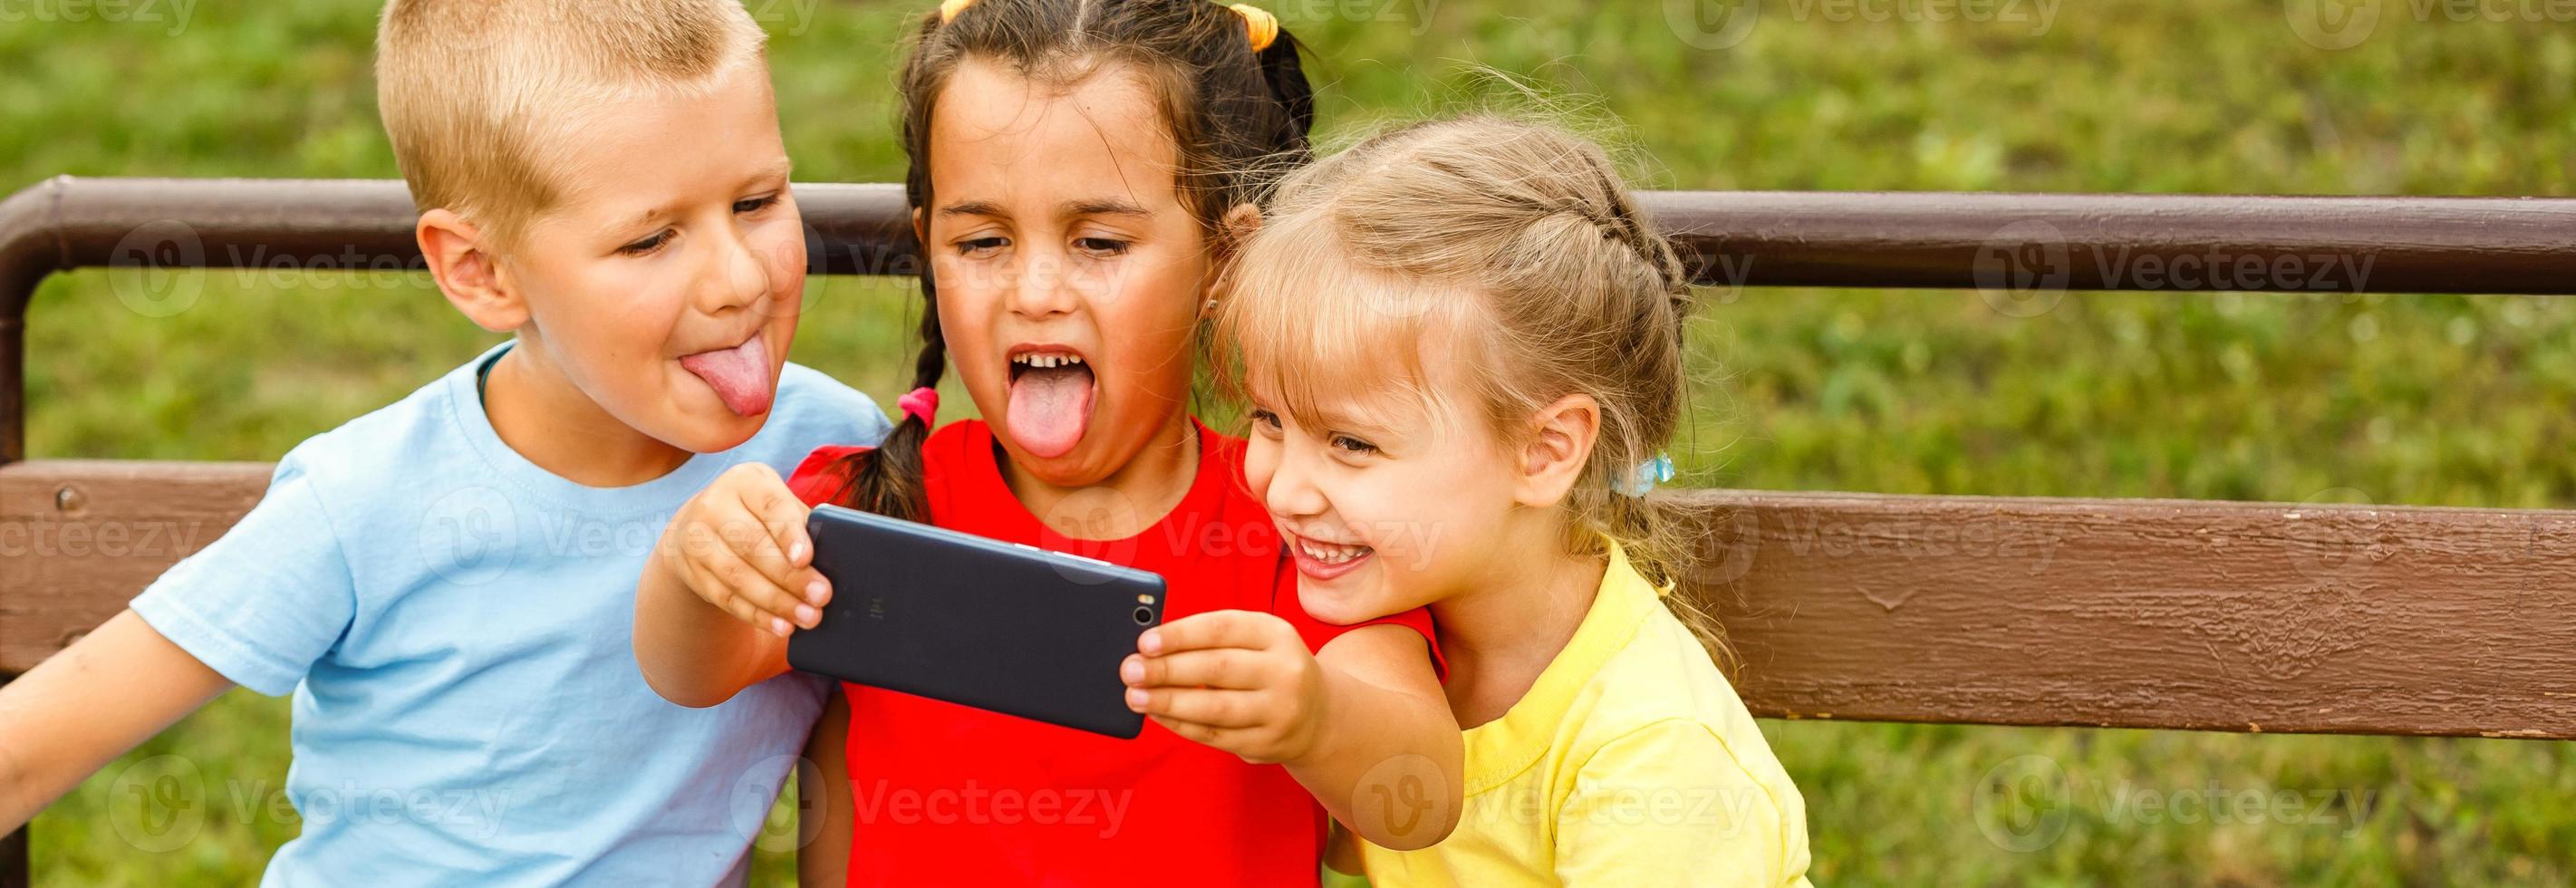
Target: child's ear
{"points": [[1560, 444], [466, 269], [1232, 231]]}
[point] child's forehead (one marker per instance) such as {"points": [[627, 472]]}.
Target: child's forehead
{"points": [[624, 170], [1107, 110]]}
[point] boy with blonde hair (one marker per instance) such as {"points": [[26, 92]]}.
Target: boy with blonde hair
{"points": [[447, 584]]}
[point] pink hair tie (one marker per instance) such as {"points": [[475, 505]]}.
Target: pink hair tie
{"points": [[922, 402]]}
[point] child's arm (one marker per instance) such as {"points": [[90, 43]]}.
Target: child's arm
{"points": [[824, 794], [80, 709], [713, 608], [1362, 724]]}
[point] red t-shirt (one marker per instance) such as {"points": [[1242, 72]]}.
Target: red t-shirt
{"points": [[947, 794]]}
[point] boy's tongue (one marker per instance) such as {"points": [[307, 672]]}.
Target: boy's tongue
{"points": [[1050, 409], [740, 375]]}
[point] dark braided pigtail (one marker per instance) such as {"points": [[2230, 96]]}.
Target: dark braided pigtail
{"points": [[887, 479]]}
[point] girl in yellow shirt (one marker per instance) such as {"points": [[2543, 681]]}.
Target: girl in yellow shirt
{"points": [[1462, 347]]}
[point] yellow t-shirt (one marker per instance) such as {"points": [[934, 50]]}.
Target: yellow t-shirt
{"points": [[1630, 762]]}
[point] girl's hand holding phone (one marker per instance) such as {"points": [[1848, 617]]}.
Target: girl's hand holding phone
{"points": [[740, 544], [1240, 681]]}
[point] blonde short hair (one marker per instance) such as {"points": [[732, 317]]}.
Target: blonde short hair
{"points": [[472, 91]]}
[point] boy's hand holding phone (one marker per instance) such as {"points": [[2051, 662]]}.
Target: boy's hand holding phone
{"points": [[1240, 681], [741, 545]]}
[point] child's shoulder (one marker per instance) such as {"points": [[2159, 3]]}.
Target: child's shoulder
{"points": [[815, 410], [388, 444], [1660, 699]]}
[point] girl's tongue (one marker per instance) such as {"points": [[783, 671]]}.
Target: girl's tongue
{"points": [[1050, 408], [740, 376]]}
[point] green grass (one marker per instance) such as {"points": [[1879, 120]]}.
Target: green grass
{"points": [[2397, 399]]}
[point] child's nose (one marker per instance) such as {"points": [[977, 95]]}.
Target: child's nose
{"points": [[1292, 489], [735, 277], [1039, 286]]}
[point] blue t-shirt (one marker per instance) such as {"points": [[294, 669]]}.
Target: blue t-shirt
{"points": [[457, 626]]}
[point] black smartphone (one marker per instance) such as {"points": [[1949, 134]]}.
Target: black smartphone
{"points": [[952, 616]]}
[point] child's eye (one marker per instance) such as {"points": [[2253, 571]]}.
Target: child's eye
{"points": [[647, 245], [982, 245], [750, 205], [1348, 444], [1268, 421], [1102, 246]]}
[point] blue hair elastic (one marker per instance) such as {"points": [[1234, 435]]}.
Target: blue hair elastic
{"points": [[1642, 479]]}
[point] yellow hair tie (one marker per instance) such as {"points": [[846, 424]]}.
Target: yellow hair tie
{"points": [[1258, 24], [948, 9]]}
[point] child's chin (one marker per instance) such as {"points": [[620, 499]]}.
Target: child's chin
{"points": [[713, 433], [1337, 607]]}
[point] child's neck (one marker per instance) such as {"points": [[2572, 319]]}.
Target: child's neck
{"points": [[1154, 482], [550, 423], [1500, 635]]}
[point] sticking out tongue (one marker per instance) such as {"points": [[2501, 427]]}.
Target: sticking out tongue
{"points": [[1050, 409], [740, 375]]}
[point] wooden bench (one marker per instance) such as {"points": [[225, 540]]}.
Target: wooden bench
{"points": [[2257, 617]]}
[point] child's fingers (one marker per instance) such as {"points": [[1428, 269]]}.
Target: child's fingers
{"points": [[749, 595], [1209, 708], [1204, 735], [769, 556], [1231, 668], [778, 510], [1214, 629]]}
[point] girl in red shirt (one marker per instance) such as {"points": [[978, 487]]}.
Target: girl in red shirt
{"points": [[1080, 172]]}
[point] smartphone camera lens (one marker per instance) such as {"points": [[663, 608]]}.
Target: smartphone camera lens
{"points": [[1144, 616]]}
